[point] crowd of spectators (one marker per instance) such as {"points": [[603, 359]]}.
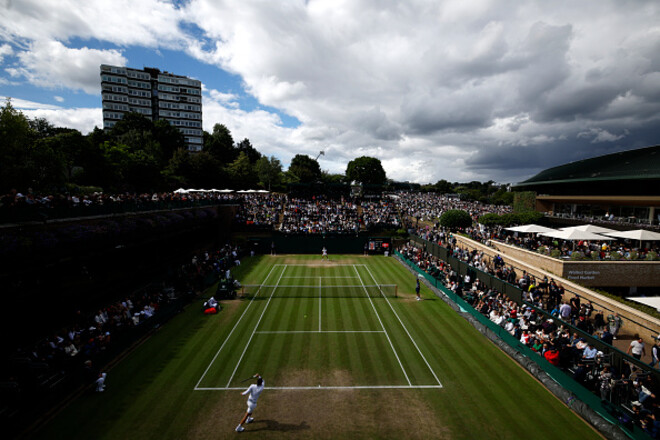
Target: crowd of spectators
{"points": [[320, 215], [72, 356], [429, 207], [551, 338], [29, 206], [379, 214], [574, 249], [260, 211], [608, 219]]}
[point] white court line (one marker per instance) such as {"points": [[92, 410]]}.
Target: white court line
{"points": [[405, 328], [255, 328], [383, 327], [356, 387], [232, 330], [286, 332], [313, 278], [316, 265]]}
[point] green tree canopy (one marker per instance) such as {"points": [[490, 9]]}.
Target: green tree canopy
{"points": [[367, 170], [455, 218], [304, 169], [15, 141], [242, 173], [220, 144], [246, 147], [269, 171]]}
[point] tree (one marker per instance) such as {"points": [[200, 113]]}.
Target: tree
{"points": [[246, 147], [366, 170], [220, 144], [15, 140], [242, 173], [131, 122], [455, 218], [304, 169], [443, 187], [71, 145], [206, 171], [169, 138], [179, 168], [269, 171]]}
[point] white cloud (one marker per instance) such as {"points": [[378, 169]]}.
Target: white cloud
{"points": [[23, 104], [58, 98], [82, 119], [5, 50], [151, 23], [466, 90], [52, 65]]}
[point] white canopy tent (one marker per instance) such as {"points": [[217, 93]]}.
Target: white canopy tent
{"points": [[589, 228], [637, 234], [180, 191], [575, 234], [531, 228], [652, 301]]}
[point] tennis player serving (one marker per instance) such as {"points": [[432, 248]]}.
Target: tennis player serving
{"points": [[254, 391]]}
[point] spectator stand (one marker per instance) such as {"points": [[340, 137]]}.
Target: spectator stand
{"points": [[619, 401]]}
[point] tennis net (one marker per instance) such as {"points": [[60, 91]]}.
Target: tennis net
{"points": [[309, 291]]}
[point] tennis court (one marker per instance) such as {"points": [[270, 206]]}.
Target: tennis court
{"points": [[311, 326]]}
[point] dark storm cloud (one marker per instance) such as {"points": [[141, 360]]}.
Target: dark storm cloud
{"points": [[515, 163]]}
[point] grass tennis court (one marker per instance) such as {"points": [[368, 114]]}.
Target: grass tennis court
{"points": [[342, 357]]}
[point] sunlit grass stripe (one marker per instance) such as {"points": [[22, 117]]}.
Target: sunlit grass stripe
{"points": [[255, 328], [381, 324], [405, 329]]}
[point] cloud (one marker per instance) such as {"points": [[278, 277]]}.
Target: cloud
{"points": [[473, 90], [5, 50], [52, 65], [23, 104], [151, 23], [58, 98], [599, 135], [82, 119]]}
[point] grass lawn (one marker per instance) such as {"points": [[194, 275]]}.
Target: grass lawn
{"points": [[340, 360]]}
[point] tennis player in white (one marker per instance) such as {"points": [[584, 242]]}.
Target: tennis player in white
{"points": [[254, 391]]}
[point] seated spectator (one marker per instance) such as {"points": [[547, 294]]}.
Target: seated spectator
{"points": [[589, 353]]}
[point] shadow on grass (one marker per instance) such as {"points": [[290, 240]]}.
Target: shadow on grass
{"points": [[274, 425]]}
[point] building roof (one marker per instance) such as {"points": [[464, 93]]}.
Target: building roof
{"points": [[639, 164]]}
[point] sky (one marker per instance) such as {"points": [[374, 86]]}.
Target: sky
{"points": [[455, 90]]}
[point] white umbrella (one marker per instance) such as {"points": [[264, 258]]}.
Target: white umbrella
{"points": [[575, 234], [262, 191], [180, 191], [590, 228], [531, 228], [637, 234]]}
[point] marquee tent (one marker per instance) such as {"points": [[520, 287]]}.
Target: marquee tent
{"points": [[531, 228]]}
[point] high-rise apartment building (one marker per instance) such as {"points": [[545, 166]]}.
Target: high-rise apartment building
{"points": [[156, 95]]}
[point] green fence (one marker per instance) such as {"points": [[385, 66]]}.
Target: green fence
{"points": [[593, 401]]}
